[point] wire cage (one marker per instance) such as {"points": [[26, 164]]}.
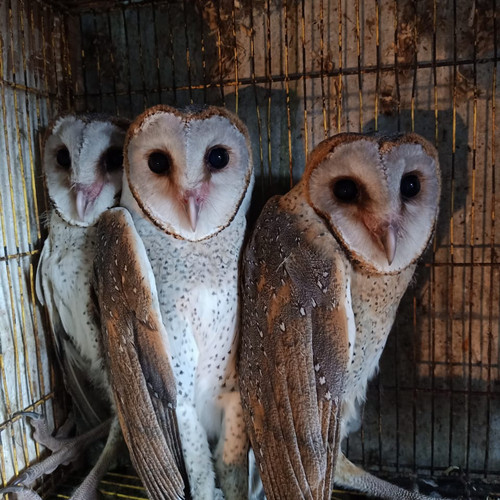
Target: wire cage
{"points": [[296, 71]]}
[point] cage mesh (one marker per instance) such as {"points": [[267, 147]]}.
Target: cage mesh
{"points": [[295, 71]]}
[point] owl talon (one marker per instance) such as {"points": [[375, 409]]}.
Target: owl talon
{"points": [[22, 478], [33, 415], [66, 451], [41, 433], [20, 492]]}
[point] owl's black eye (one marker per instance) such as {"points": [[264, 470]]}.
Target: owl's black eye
{"points": [[159, 162], [113, 159], [346, 190], [63, 157], [218, 158], [410, 186]]}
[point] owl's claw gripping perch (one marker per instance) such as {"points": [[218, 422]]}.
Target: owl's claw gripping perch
{"points": [[42, 434], [33, 415], [21, 493], [64, 451]]}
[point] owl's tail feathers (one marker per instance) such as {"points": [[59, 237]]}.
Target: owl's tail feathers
{"points": [[348, 475]]}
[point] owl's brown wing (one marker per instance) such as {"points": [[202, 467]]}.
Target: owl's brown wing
{"points": [[293, 357], [134, 344]]}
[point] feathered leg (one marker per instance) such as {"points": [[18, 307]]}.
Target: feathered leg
{"points": [[231, 452], [196, 451]]}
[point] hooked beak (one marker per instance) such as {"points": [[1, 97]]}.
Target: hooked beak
{"points": [[388, 238], [192, 207], [85, 198]]}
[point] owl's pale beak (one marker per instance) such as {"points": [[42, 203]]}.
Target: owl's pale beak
{"points": [[388, 238], [85, 198], [192, 208]]}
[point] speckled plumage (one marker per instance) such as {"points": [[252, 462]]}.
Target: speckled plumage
{"points": [[64, 280], [324, 271], [66, 263], [83, 169], [191, 219]]}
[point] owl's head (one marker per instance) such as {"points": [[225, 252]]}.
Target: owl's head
{"points": [[188, 170], [83, 165], [380, 196]]}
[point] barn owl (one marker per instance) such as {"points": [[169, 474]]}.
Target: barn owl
{"points": [[322, 278], [83, 167], [169, 302]]}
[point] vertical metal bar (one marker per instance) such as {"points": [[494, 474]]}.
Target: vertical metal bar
{"points": [[28, 130], [188, 55], [451, 311], [396, 63], [472, 245], [8, 406], [203, 57], [171, 41], [304, 79], [415, 66], [377, 93], [156, 53], [362, 436], [396, 337], [414, 382], [360, 78], [322, 69], [257, 105], [55, 30], [236, 76], [377, 45], [414, 302], [287, 94], [493, 257], [432, 331], [219, 54], [44, 52], [125, 32], [270, 88], [113, 63], [340, 63], [18, 142], [145, 93], [84, 69], [67, 74], [3, 473], [98, 58]]}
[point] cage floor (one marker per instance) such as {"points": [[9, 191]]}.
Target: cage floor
{"points": [[124, 484]]}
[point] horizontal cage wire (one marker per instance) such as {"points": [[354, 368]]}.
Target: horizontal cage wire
{"points": [[295, 71]]}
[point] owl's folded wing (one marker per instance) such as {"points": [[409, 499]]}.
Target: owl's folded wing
{"points": [[65, 323], [294, 354], [135, 345]]}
